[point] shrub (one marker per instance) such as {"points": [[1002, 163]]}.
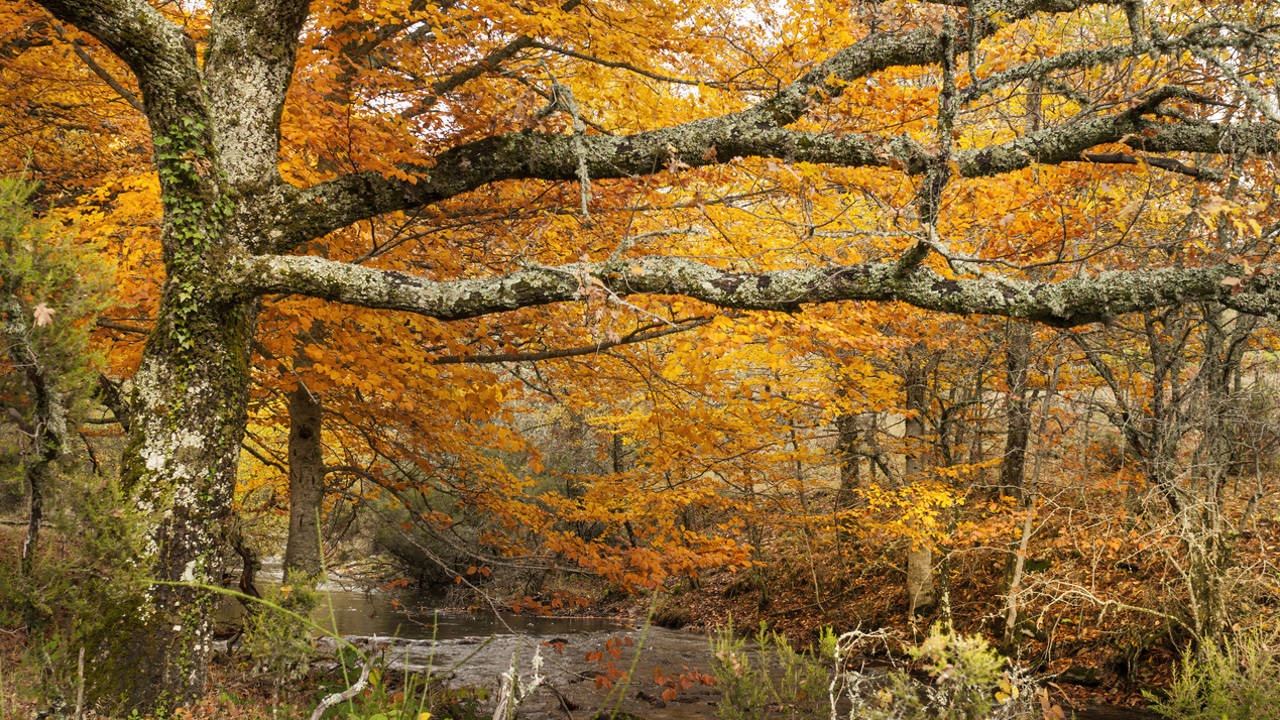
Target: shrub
{"points": [[772, 681], [1236, 680], [279, 643], [81, 594], [969, 681]]}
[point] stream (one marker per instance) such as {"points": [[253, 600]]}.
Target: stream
{"points": [[467, 649], [407, 633]]}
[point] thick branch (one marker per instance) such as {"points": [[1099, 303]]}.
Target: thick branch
{"points": [[1067, 303], [756, 131], [249, 64], [332, 205], [155, 49]]}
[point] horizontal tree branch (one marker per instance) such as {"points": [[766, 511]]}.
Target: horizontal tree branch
{"points": [[1066, 303], [329, 206], [756, 131]]}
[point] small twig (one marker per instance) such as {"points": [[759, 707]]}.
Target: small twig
{"points": [[1163, 163], [565, 703], [1251, 93]]}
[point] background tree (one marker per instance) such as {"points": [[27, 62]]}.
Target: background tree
{"points": [[49, 302]]}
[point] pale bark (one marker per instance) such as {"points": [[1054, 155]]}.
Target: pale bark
{"points": [[1065, 303]]}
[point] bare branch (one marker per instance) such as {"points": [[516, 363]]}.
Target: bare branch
{"points": [[1067, 303], [125, 93], [155, 49], [631, 339], [1163, 163]]}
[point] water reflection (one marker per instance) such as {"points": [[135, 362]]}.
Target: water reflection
{"points": [[414, 616]]}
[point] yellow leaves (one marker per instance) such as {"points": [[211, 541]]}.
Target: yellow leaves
{"points": [[1243, 219]]}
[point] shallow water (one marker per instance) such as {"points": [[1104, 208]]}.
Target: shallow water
{"points": [[406, 632]]}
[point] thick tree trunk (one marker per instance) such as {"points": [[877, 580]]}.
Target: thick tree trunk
{"points": [[306, 483], [180, 466]]}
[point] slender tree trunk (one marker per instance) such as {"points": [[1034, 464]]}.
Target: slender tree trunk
{"points": [[48, 423], [1018, 428], [306, 483], [848, 442], [920, 587], [37, 477], [1018, 362], [1202, 525]]}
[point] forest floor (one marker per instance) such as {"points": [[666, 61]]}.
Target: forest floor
{"points": [[1087, 653]]}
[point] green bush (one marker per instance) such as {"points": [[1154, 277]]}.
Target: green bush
{"points": [[771, 681], [1235, 680], [279, 643], [84, 589]]}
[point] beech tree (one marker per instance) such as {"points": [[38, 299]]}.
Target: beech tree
{"points": [[235, 230]]}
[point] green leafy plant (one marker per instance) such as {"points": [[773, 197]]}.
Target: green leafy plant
{"points": [[771, 680], [1237, 679], [81, 594], [280, 643]]}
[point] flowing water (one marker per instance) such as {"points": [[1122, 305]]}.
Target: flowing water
{"points": [[475, 649]]}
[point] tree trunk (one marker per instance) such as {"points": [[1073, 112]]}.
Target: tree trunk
{"points": [[920, 589], [306, 484], [1202, 525], [190, 394], [1018, 428], [48, 422], [37, 475], [848, 441]]}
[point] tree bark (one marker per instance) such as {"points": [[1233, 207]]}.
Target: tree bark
{"points": [[302, 555], [920, 587], [1018, 428], [181, 466], [848, 443], [1202, 524]]}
